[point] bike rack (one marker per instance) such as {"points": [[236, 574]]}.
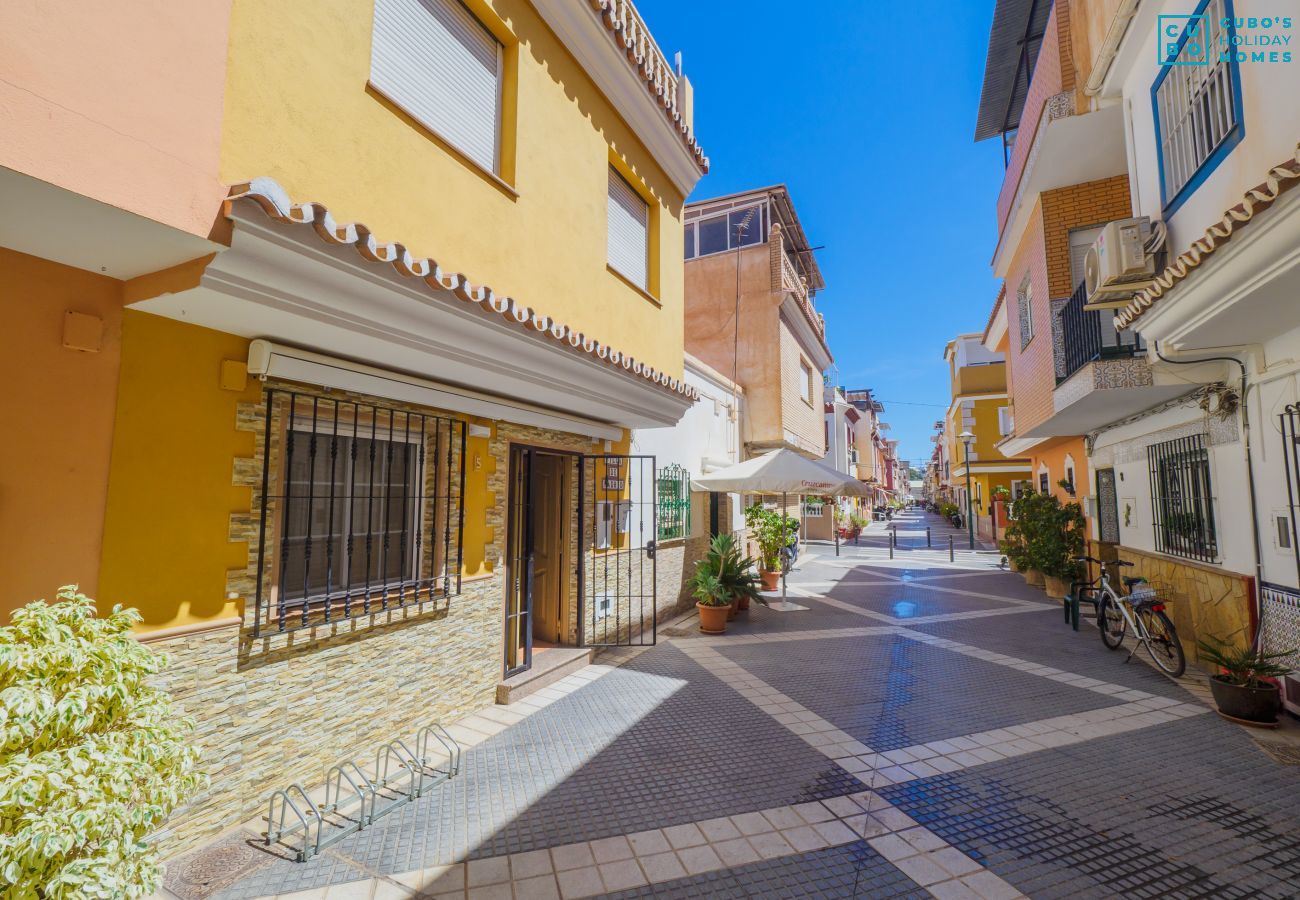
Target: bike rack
{"points": [[353, 801]]}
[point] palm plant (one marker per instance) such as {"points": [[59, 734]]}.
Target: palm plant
{"points": [[1242, 666], [734, 571]]}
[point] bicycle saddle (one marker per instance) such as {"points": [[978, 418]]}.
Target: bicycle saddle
{"points": [[1129, 581]]}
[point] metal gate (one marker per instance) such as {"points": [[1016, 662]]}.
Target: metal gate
{"points": [[1279, 604], [616, 551]]}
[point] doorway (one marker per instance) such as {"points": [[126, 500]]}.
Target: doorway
{"points": [[540, 531]]}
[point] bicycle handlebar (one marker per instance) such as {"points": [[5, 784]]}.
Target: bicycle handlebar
{"points": [[1114, 562]]}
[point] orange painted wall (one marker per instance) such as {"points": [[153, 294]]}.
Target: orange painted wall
{"points": [[58, 411], [1054, 454], [121, 102]]}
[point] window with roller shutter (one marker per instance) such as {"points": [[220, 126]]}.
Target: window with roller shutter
{"points": [[629, 231], [437, 62]]}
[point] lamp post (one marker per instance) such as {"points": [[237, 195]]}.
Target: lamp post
{"points": [[966, 438]]}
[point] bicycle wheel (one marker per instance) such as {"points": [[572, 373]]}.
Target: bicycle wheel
{"points": [[1162, 643], [1111, 623]]}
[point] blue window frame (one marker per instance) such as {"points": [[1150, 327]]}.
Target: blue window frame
{"points": [[1197, 108]]}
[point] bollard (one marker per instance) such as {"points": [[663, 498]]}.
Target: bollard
{"points": [[927, 537], [892, 536], [951, 558]]}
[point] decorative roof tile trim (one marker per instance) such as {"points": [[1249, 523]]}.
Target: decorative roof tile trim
{"points": [[607, 10], [1280, 178], [274, 201]]}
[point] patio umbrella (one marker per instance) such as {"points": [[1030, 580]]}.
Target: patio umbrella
{"points": [[783, 472]]}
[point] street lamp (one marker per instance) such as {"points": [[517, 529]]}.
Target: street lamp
{"points": [[966, 438]]}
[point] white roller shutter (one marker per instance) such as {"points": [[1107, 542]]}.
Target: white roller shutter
{"points": [[629, 218], [1081, 239], [439, 64]]}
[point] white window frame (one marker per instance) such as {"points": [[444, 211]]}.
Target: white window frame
{"points": [[406, 96]]}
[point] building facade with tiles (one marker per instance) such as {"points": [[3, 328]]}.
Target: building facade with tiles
{"points": [[1187, 464], [315, 382]]}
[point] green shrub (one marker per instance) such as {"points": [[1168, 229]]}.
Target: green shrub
{"points": [[1046, 535], [92, 758], [772, 530]]}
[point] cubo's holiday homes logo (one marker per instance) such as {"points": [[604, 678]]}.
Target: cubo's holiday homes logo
{"points": [[1202, 39]]}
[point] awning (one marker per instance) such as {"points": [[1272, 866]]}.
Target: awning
{"points": [[1014, 41]]}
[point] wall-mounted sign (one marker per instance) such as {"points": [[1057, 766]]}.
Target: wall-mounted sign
{"points": [[612, 484]]}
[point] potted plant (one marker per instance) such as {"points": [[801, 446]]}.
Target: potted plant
{"points": [[1028, 513], [1240, 688], [771, 530], [734, 571], [1058, 543], [1013, 548], [711, 599]]}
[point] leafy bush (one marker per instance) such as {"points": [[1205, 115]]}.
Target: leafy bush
{"points": [[772, 530], [1045, 535], [1242, 666], [92, 758]]}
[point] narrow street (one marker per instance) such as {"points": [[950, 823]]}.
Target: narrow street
{"points": [[922, 727]]}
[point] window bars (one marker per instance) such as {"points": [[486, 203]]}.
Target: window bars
{"points": [[361, 510], [674, 500], [1196, 102], [1181, 498]]}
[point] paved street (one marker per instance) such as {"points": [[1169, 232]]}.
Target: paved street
{"points": [[924, 727]]}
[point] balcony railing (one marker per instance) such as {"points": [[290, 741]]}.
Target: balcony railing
{"points": [[1089, 335], [792, 281], [643, 52]]}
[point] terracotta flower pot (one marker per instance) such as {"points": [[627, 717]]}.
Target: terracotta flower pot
{"points": [[1033, 577], [1258, 704], [713, 619], [771, 580], [1013, 565], [1057, 588], [742, 603]]}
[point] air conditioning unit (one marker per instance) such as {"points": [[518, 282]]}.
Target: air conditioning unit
{"points": [[1117, 265]]}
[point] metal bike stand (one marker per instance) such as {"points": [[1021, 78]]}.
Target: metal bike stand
{"points": [[353, 800]]}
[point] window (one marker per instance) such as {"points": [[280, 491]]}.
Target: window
{"points": [[806, 375], [629, 231], [365, 510], [443, 68], [1197, 107], [674, 502], [726, 231], [1043, 487], [1181, 499], [1081, 240], [1024, 306]]}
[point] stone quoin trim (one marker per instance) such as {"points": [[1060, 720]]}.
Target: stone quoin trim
{"points": [[1280, 178], [275, 202]]}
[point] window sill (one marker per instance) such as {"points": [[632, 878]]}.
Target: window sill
{"points": [[473, 165], [633, 285]]}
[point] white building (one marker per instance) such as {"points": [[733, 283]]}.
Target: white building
{"points": [[1209, 479]]}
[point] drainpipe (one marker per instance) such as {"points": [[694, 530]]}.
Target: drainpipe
{"points": [[1250, 471], [1110, 46]]}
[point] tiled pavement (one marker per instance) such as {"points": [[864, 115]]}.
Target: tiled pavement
{"points": [[924, 728]]}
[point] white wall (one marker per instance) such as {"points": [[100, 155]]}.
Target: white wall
{"points": [[1125, 448], [1276, 386], [1270, 117], [706, 438]]}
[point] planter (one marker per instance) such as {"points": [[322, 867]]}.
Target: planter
{"points": [[713, 619], [731, 610], [742, 603], [1057, 588], [1013, 565], [1250, 704], [771, 580], [1033, 577]]}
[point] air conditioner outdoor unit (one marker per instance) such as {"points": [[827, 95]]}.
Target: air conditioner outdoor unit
{"points": [[1117, 265]]}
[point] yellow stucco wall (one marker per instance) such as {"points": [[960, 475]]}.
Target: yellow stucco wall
{"points": [[298, 109]]}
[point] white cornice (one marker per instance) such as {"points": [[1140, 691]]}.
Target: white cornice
{"points": [[585, 36]]}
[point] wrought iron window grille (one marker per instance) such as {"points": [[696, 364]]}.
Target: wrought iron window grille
{"points": [[1182, 500], [674, 501], [360, 511]]}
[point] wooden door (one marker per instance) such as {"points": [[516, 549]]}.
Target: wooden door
{"points": [[550, 545]]}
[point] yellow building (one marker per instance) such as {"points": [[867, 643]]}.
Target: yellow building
{"points": [[979, 407], [367, 371]]}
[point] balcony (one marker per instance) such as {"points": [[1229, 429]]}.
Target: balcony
{"points": [[1087, 337], [797, 285], [1102, 376]]}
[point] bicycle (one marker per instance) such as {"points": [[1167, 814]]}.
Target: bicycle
{"points": [[1143, 611]]}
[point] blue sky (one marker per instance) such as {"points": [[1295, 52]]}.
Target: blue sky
{"points": [[866, 111]]}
